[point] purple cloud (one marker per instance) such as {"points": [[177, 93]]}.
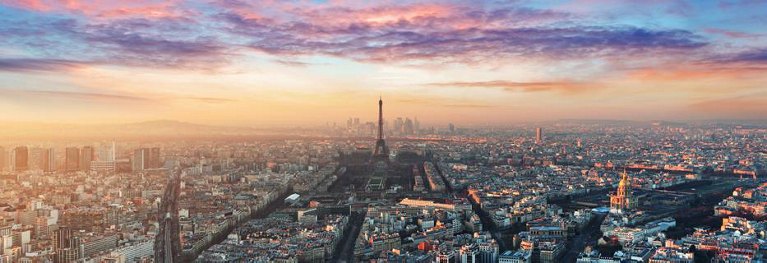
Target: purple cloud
{"points": [[563, 86], [131, 42], [33, 65], [94, 96], [752, 56], [417, 39], [417, 33]]}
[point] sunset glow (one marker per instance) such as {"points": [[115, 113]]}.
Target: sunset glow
{"points": [[281, 63]]}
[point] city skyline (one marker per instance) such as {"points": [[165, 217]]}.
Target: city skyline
{"points": [[580, 192], [469, 63]]}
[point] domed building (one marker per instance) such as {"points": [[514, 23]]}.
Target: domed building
{"points": [[623, 200]]}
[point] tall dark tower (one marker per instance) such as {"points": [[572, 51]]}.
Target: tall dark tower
{"points": [[381, 149], [167, 243]]}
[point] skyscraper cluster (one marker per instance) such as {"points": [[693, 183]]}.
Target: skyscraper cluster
{"points": [[398, 127], [405, 127], [77, 159], [48, 159], [146, 158]]}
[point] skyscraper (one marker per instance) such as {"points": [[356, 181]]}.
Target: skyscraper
{"points": [[49, 160], [105, 159], [409, 129], [106, 153], [381, 149], [139, 157], [146, 158], [72, 159], [86, 157], [61, 237], [154, 158], [21, 158], [538, 135]]}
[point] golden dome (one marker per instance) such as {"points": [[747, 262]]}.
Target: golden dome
{"points": [[623, 181]]}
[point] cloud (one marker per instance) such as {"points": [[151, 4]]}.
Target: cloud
{"points": [[106, 9], [210, 99], [730, 33], [449, 34], [38, 65], [92, 96], [209, 35], [292, 63], [564, 86], [475, 106], [755, 56], [443, 102], [126, 43]]}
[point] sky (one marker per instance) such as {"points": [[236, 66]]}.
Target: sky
{"points": [[282, 63]]}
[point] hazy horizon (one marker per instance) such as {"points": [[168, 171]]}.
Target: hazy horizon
{"points": [[256, 126]]}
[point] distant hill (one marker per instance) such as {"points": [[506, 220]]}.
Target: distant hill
{"points": [[148, 129]]}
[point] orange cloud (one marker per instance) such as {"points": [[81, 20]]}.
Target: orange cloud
{"points": [[563, 86], [691, 72]]}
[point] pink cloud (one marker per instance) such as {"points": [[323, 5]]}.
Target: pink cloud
{"points": [[730, 33], [106, 9], [35, 5]]}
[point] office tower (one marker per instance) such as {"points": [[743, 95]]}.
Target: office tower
{"points": [[21, 158], [167, 244], [86, 157], [451, 128], [72, 159], [154, 158], [106, 153], [67, 248], [146, 158], [65, 255], [398, 125], [408, 128], [381, 149], [76, 244], [538, 135], [62, 237], [105, 160], [49, 160], [138, 161]]}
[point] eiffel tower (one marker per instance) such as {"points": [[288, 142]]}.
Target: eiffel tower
{"points": [[381, 151]]}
